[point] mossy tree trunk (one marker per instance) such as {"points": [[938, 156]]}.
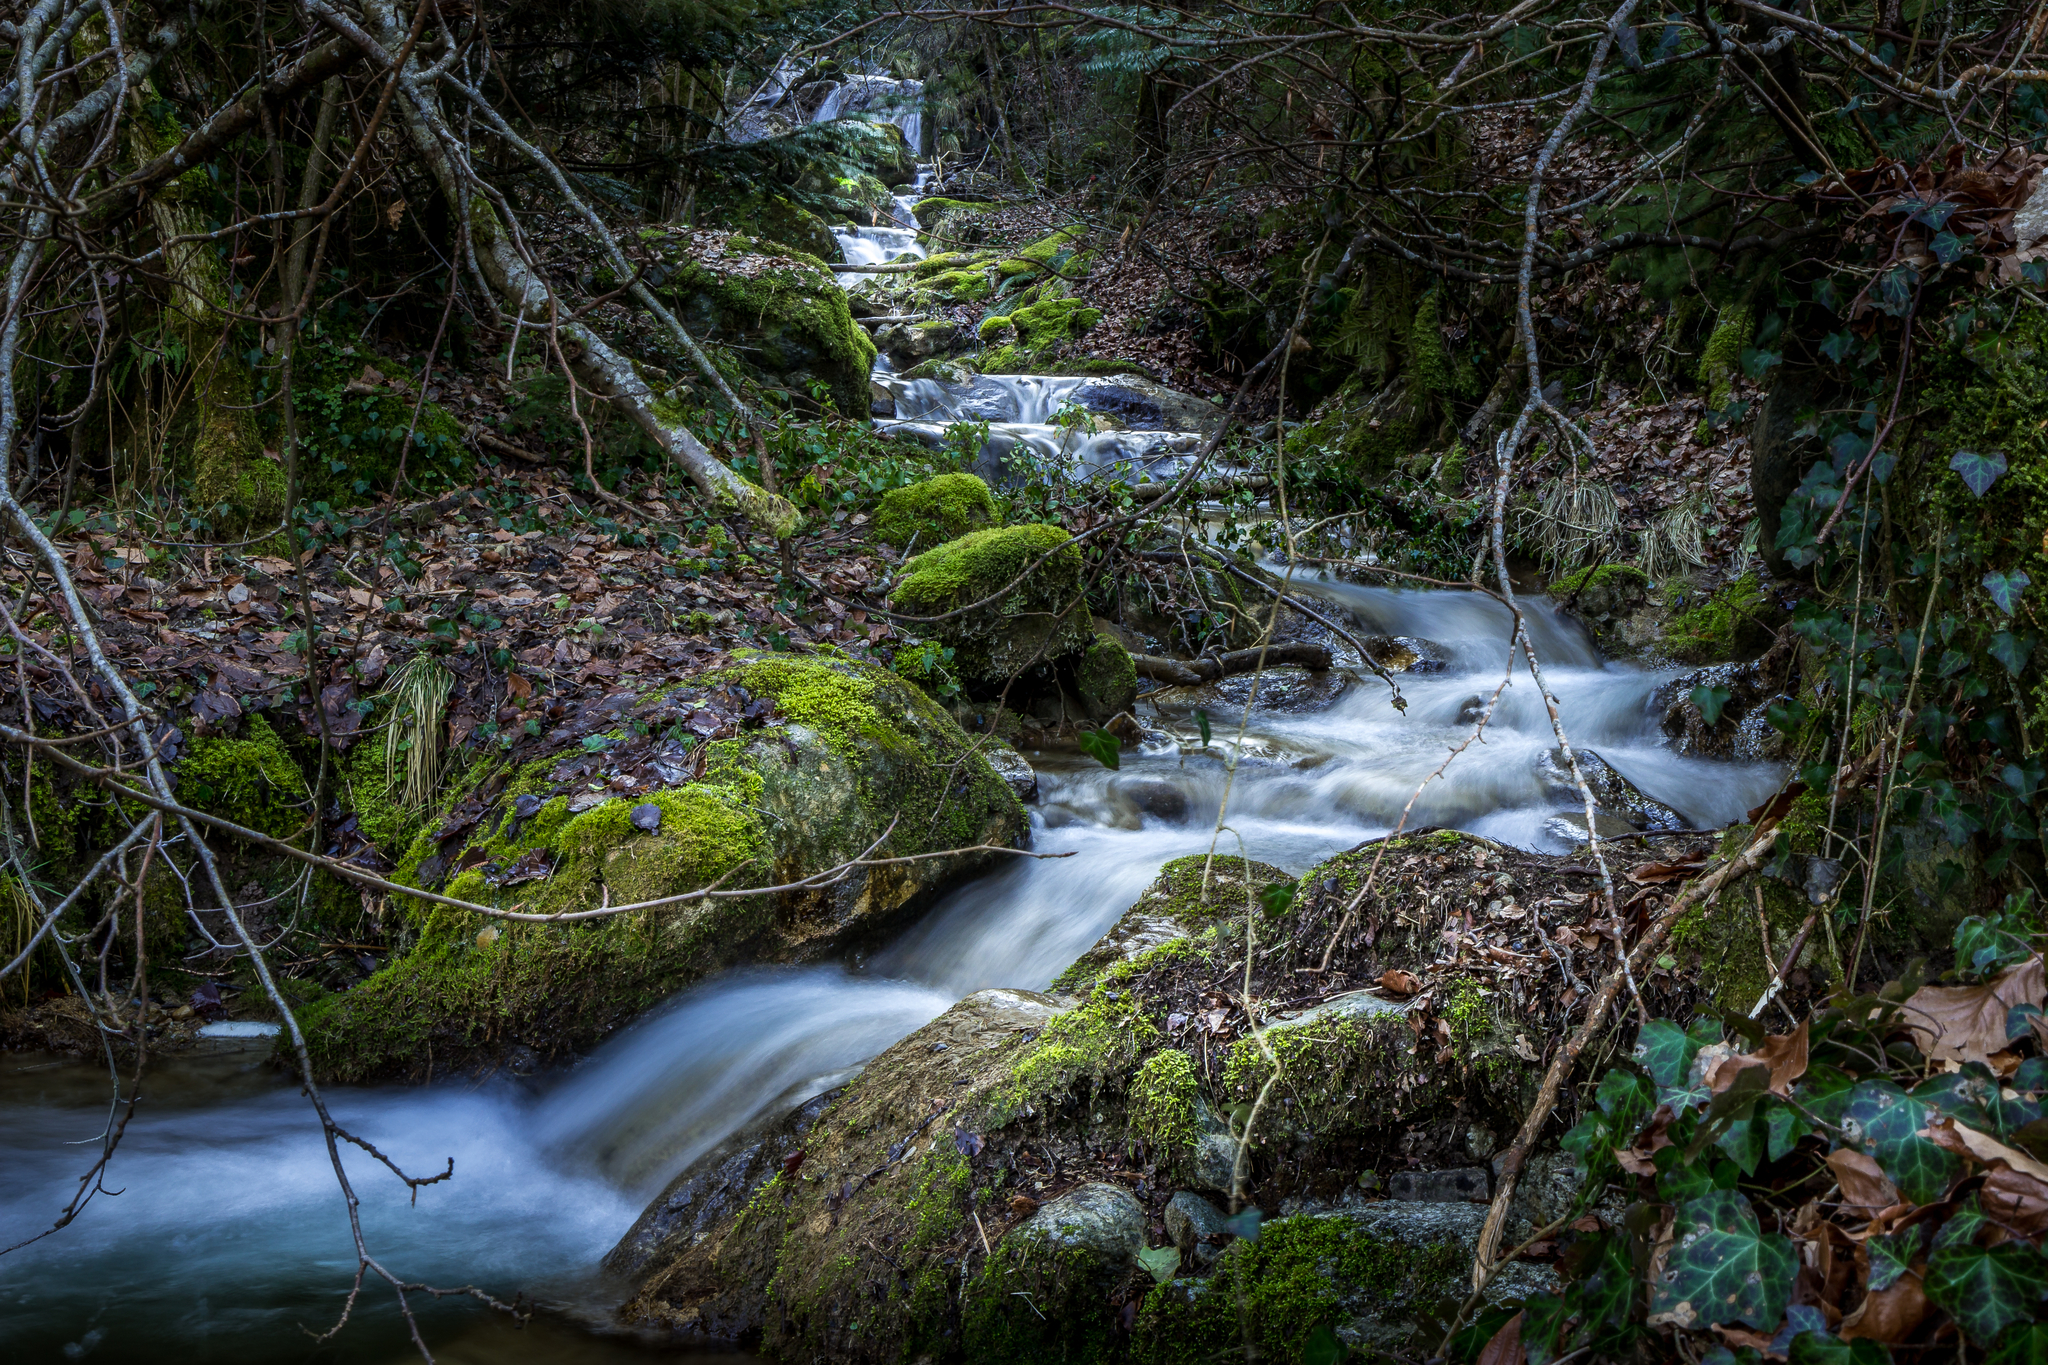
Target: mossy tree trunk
{"points": [[219, 447]]}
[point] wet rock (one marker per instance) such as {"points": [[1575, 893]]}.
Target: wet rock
{"points": [[1214, 1162], [1614, 794], [714, 1188], [911, 343], [1742, 731], [1406, 653], [1099, 1220], [646, 817], [1158, 797], [881, 402], [1288, 688], [1570, 827], [1013, 768], [1142, 404], [1468, 1185], [1196, 1227]]}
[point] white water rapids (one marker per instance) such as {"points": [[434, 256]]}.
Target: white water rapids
{"points": [[228, 1240]]}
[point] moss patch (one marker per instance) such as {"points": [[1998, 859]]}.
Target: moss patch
{"points": [[934, 511], [252, 781], [1734, 621], [1036, 619]]}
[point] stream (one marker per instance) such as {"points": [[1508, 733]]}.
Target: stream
{"points": [[228, 1241]]}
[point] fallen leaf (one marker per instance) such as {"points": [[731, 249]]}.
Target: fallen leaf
{"points": [[1397, 982], [1773, 810], [1964, 1141], [1865, 1187], [966, 1143], [1505, 1346], [1967, 1023], [1650, 874], [1021, 1204], [2016, 1200], [791, 1162], [1890, 1314]]}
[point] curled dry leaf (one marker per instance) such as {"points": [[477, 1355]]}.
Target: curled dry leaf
{"points": [[1967, 1023], [1889, 1314], [1865, 1187], [1505, 1346], [1966, 1141], [1784, 1055], [1394, 981], [1651, 874], [2016, 1201]]}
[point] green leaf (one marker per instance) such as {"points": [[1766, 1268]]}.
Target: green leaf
{"points": [[2005, 588], [1986, 1289], [1626, 1097], [1163, 1262], [1323, 1346], [1202, 724], [1979, 471], [1744, 1141], [1891, 1257], [1276, 899], [1786, 1126], [2013, 650], [1818, 1348], [1667, 1051], [1967, 1096], [2024, 1344], [1104, 747], [1885, 1122], [1710, 700], [1724, 1267]]}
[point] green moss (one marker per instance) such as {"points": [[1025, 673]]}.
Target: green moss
{"points": [[1734, 621], [938, 1203], [1162, 1102], [1429, 369], [786, 310], [1047, 255], [1106, 680], [252, 780], [1269, 1296], [934, 511], [862, 750], [1614, 579], [965, 286], [1721, 361], [1043, 324], [1232, 881], [1037, 618]]}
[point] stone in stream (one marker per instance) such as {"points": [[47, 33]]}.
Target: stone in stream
{"points": [[1142, 404], [826, 755], [1011, 766], [1613, 794], [1742, 730]]}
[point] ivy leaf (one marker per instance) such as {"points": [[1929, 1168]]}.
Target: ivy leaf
{"points": [[1818, 1348], [1838, 346], [1947, 247], [1987, 1289], [1885, 1121], [2012, 650], [1978, 471], [1666, 1050], [1724, 1267], [1104, 747], [2025, 1344], [1891, 1257], [1626, 1097], [1786, 1127], [1710, 700], [2005, 588], [1163, 1262], [1275, 899], [1745, 1141]]}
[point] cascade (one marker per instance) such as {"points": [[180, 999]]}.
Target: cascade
{"points": [[231, 1234]]}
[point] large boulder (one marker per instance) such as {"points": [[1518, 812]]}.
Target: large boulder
{"points": [[933, 511], [782, 309], [793, 765], [1036, 619]]}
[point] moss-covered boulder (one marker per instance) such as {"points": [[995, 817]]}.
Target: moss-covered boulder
{"points": [[836, 170], [934, 511], [952, 223], [783, 310], [1049, 322], [810, 761], [1735, 621], [1036, 618], [1105, 678]]}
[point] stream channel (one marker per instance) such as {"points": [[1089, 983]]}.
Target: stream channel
{"points": [[228, 1240]]}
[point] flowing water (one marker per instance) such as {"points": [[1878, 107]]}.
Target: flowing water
{"points": [[227, 1240]]}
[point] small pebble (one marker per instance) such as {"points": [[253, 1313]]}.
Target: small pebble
{"points": [[646, 816], [527, 806]]}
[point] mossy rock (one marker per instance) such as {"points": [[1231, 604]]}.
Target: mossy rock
{"points": [[836, 170], [786, 312], [856, 750], [934, 511], [1106, 679], [1056, 254], [1046, 323], [252, 780], [1736, 621], [775, 218], [1035, 621], [1601, 589], [951, 223]]}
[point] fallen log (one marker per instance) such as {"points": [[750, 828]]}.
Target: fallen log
{"points": [[1194, 672]]}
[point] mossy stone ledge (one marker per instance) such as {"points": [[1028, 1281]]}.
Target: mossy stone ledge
{"points": [[934, 511], [849, 751]]}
